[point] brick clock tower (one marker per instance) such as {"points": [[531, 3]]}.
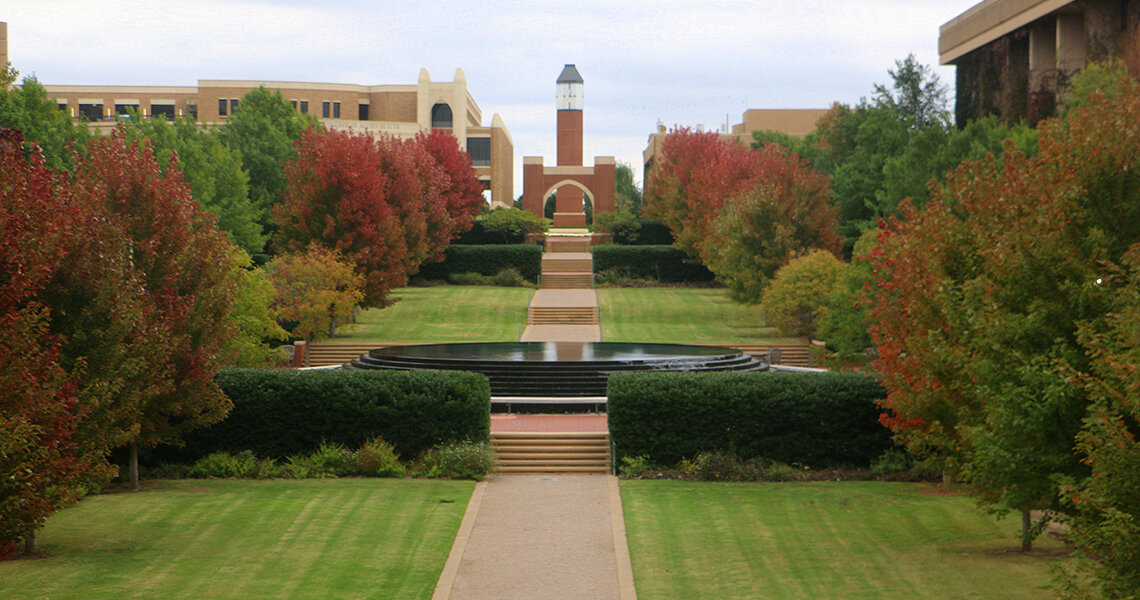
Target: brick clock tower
{"points": [[569, 178]]}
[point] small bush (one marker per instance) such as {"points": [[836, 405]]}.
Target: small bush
{"points": [[633, 467], [377, 458], [329, 460], [223, 465], [459, 460], [468, 279], [726, 466], [509, 277]]}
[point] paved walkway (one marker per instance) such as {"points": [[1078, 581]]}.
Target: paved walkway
{"points": [[527, 537]]}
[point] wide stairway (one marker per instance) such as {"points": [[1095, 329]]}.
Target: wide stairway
{"points": [[561, 452], [565, 307]]}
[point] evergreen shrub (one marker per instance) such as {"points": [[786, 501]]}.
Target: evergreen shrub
{"points": [[659, 263], [486, 260], [812, 419], [281, 413]]}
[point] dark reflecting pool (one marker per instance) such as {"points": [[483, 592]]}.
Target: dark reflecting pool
{"points": [[556, 369]]}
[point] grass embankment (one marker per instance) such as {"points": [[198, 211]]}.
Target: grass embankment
{"points": [[682, 316], [346, 538], [426, 315], [822, 540]]}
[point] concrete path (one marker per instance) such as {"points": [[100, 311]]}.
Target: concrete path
{"points": [[528, 537]]}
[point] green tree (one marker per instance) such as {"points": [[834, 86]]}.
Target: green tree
{"points": [[262, 131], [629, 196], [29, 109], [843, 325], [795, 300], [255, 319], [916, 95], [214, 173]]}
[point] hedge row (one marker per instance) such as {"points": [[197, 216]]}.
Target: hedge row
{"points": [[282, 412], [477, 235], [661, 263], [815, 419], [650, 232], [486, 260]]}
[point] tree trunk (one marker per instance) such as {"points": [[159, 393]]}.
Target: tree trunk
{"points": [[134, 465], [30, 548], [1026, 536], [947, 481], [332, 326]]}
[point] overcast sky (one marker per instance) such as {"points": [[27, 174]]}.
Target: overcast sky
{"points": [[680, 62]]}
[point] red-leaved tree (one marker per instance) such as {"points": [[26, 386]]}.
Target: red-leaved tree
{"points": [[187, 282], [744, 213], [41, 466], [386, 204]]}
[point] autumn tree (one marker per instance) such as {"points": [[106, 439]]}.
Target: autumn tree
{"points": [[41, 465], [744, 213], [981, 295], [316, 290], [182, 263], [255, 319], [387, 205]]}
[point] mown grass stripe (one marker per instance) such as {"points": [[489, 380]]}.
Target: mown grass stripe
{"points": [[820, 540], [228, 539]]}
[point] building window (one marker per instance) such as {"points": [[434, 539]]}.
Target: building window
{"points": [[61, 105], [304, 107], [480, 151], [441, 115], [325, 109], [233, 105], [223, 107], [121, 109], [336, 110], [165, 111], [91, 112], [293, 103], [362, 112]]}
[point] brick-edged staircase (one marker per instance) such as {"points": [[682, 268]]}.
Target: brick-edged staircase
{"points": [[526, 452]]}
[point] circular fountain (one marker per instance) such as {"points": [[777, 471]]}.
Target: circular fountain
{"points": [[556, 369]]}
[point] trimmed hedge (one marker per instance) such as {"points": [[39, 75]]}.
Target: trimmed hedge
{"points": [[486, 260], [814, 419], [283, 412], [660, 263], [651, 232]]}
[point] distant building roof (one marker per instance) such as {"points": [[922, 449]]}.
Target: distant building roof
{"points": [[570, 75]]}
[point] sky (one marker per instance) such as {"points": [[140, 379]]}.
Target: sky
{"points": [[675, 62]]}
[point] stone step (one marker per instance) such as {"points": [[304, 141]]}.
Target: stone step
{"points": [[574, 452], [567, 244], [557, 316], [567, 281], [567, 265]]}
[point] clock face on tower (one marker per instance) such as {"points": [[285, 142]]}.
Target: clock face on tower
{"points": [[569, 96]]}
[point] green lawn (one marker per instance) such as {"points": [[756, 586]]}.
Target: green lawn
{"points": [[682, 316], [838, 540], [332, 538], [444, 314]]}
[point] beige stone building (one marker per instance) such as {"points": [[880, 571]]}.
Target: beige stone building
{"points": [[1014, 58], [792, 121], [397, 110]]}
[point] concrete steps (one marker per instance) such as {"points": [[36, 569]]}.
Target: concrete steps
{"points": [[555, 263], [522, 453], [567, 244], [566, 281], [539, 315]]}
